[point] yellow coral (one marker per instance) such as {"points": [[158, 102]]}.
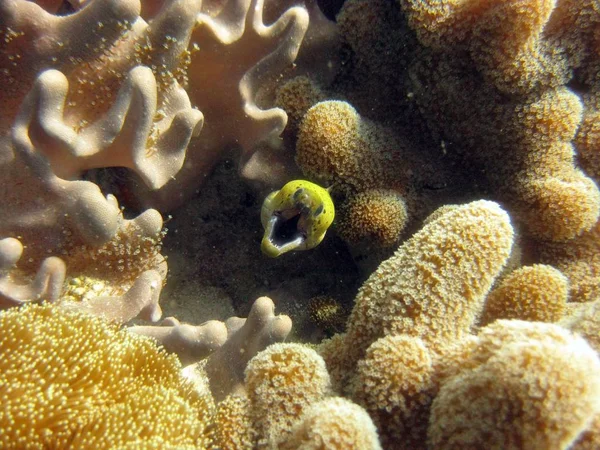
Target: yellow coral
{"points": [[336, 146], [434, 285], [394, 383], [519, 385], [67, 379], [535, 293], [376, 216], [282, 381], [333, 424]]}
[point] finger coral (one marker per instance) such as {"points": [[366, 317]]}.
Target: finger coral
{"points": [[376, 216], [520, 385], [579, 260], [336, 146], [434, 286], [534, 293], [69, 379], [585, 321], [282, 382], [336, 424]]}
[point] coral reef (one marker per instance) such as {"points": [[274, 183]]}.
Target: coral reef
{"points": [[537, 293], [457, 286], [69, 379], [519, 385]]}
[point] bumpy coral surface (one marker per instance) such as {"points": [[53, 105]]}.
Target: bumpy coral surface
{"points": [[282, 382], [461, 134], [535, 293], [71, 380], [520, 385]]}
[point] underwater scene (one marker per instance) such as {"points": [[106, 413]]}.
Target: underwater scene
{"points": [[300, 224]]}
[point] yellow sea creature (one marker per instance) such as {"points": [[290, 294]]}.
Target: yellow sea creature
{"points": [[295, 217]]}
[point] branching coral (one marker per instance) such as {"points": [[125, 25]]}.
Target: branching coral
{"points": [[336, 146], [68, 379], [282, 382], [520, 385], [432, 288], [394, 382]]}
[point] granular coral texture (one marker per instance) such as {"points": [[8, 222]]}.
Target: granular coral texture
{"points": [[394, 383], [584, 320], [376, 216], [579, 260], [434, 286], [282, 382], [336, 146], [520, 385], [534, 293], [333, 424], [232, 427], [517, 46], [327, 313], [296, 97], [529, 156], [68, 379]]}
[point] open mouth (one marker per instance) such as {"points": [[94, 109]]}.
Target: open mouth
{"points": [[284, 232]]}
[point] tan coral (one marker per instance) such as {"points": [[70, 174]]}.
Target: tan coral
{"points": [[336, 424], [529, 156], [296, 97], [534, 293], [245, 339], [519, 385], [72, 380], [376, 216], [579, 260], [191, 343], [584, 320], [433, 287], [590, 438], [394, 382], [282, 382], [232, 429], [16, 287], [337, 147]]}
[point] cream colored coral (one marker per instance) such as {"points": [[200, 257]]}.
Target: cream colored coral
{"points": [[282, 382], [519, 385], [535, 293], [518, 46], [72, 380], [584, 320], [338, 147], [17, 287], [394, 382], [376, 217], [333, 424], [434, 286]]}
